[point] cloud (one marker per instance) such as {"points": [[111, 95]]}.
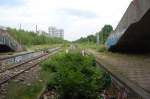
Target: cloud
{"points": [[77, 17], [78, 13]]}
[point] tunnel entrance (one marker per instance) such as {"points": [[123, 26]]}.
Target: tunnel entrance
{"points": [[4, 48]]}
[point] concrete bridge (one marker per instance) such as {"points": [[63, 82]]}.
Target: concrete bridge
{"points": [[7, 43], [133, 31]]}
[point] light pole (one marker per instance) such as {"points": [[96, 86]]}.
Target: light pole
{"points": [[97, 38]]}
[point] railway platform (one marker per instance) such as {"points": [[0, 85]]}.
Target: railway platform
{"points": [[132, 71]]}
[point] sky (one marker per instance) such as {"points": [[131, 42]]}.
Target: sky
{"points": [[78, 18]]}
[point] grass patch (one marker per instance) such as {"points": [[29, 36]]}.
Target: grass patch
{"points": [[22, 91], [99, 48], [45, 46], [102, 48]]}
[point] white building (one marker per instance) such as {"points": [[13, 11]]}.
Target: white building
{"points": [[54, 32]]}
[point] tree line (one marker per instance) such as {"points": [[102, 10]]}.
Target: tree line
{"points": [[28, 38], [103, 35]]}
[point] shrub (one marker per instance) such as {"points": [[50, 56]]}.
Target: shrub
{"points": [[75, 76]]}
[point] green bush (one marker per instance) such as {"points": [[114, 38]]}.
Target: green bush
{"points": [[75, 76]]}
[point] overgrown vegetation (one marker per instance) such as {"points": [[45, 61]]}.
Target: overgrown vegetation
{"points": [[99, 48], [103, 35], [105, 32], [88, 39], [19, 90], [29, 38], [74, 76], [44, 46], [91, 40]]}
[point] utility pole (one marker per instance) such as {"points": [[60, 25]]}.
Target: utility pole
{"points": [[36, 30], [19, 26], [97, 38], [102, 37]]}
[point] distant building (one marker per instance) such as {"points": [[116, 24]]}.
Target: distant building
{"points": [[42, 32], [54, 32], [3, 28], [61, 33]]}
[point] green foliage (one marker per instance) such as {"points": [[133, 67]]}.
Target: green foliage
{"points": [[101, 48], [103, 35], [75, 76], [40, 47], [107, 29], [89, 39], [30, 38], [22, 91], [105, 32]]}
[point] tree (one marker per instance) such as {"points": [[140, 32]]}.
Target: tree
{"points": [[105, 32], [90, 38]]}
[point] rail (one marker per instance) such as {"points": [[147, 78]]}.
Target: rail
{"points": [[18, 69]]}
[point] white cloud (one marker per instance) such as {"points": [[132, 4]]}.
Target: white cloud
{"points": [[58, 13]]}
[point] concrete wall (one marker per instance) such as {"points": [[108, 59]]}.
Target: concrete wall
{"points": [[133, 14], [134, 23]]}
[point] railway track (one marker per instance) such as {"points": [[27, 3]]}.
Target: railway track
{"points": [[19, 64], [16, 70], [14, 60]]}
